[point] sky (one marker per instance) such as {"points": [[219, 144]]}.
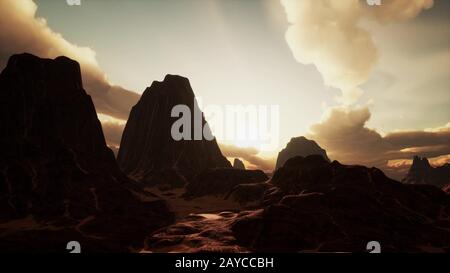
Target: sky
{"points": [[342, 73], [231, 51]]}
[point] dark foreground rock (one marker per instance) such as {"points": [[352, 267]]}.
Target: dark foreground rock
{"points": [[197, 233], [446, 188], [249, 193], [58, 180], [316, 205], [219, 182]]}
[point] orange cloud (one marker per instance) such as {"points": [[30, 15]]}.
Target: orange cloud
{"points": [[249, 155], [343, 133]]}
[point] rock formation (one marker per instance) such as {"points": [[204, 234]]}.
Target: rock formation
{"points": [[446, 188], [249, 193], [316, 205], [58, 180], [148, 150], [220, 182], [299, 146], [421, 172], [238, 164]]}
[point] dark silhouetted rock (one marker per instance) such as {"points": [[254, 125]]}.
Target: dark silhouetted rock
{"points": [[147, 146], [421, 172], [221, 181], [299, 146], [238, 164], [197, 233], [328, 207], [248, 193], [43, 102], [446, 188], [58, 180]]}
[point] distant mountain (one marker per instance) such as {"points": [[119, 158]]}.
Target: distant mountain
{"points": [[238, 164], [57, 175], [421, 172], [299, 146], [148, 152], [318, 206]]}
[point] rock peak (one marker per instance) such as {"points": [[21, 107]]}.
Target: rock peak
{"points": [[172, 85], [420, 162], [238, 164], [172, 77], [61, 71], [421, 172], [148, 150], [299, 146]]}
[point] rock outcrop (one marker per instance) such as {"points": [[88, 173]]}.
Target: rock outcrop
{"points": [[219, 182], [204, 233], [58, 180], [446, 188], [299, 146], [421, 172], [320, 206], [249, 193], [148, 147], [238, 164]]}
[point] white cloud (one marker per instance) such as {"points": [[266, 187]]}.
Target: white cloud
{"points": [[328, 34]]}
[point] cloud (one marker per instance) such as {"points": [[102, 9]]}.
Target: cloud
{"points": [[21, 31], [112, 129], [440, 160], [327, 34], [400, 10], [343, 133], [250, 155]]}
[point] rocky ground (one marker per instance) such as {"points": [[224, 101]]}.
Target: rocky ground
{"points": [[313, 205]]}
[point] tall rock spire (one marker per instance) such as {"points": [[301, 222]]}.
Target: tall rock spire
{"points": [[148, 150]]}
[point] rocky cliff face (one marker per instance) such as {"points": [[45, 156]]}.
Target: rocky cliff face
{"points": [[58, 180], [299, 146], [148, 149], [421, 172], [315, 205], [43, 102]]}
